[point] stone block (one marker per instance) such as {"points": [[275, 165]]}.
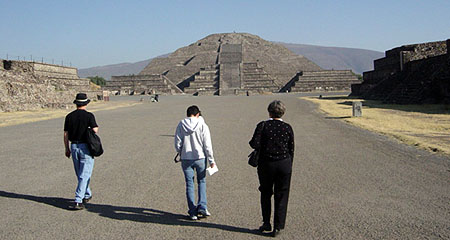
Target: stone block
{"points": [[357, 109]]}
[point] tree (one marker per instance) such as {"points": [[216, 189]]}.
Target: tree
{"points": [[98, 80]]}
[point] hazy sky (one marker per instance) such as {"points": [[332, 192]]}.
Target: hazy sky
{"points": [[93, 33]]}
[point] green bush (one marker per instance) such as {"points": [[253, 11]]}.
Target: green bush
{"points": [[98, 80]]}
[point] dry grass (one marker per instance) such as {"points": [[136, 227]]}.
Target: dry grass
{"points": [[15, 118], [424, 126]]}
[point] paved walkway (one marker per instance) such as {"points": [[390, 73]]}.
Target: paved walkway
{"points": [[347, 183]]}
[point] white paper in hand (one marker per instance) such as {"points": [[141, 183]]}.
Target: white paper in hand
{"points": [[213, 170]]}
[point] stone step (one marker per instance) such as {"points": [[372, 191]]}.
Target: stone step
{"points": [[259, 88], [250, 65], [324, 84], [204, 82], [202, 85], [256, 78], [211, 77], [131, 83], [194, 90], [207, 92], [255, 74], [208, 72], [60, 76], [327, 73], [253, 69], [136, 78], [327, 78], [317, 88], [260, 82]]}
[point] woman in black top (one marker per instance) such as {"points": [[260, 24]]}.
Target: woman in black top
{"points": [[275, 141]]}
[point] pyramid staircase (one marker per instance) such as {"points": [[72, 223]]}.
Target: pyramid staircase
{"points": [[205, 82], [254, 78]]}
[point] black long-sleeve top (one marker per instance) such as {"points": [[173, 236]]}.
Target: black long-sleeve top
{"points": [[274, 139]]}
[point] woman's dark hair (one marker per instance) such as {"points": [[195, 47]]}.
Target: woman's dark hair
{"points": [[192, 111], [276, 109]]}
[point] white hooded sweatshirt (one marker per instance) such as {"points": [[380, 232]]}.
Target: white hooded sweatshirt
{"points": [[193, 139]]}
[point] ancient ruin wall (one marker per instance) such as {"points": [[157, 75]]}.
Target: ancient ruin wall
{"points": [[421, 75], [396, 58], [29, 85]]}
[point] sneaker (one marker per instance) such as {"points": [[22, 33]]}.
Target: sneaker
{"points": [[76, 206], [203, 213], [193, 217], [86, 200]]}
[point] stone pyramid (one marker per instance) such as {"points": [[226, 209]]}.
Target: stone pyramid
{"points": [[233, 55]]}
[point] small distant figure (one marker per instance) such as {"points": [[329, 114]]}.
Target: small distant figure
{"points": [[154, 98], [320, 96], [193, 143]]}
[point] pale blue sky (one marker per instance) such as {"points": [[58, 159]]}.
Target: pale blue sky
{"points": [[93, 33]]}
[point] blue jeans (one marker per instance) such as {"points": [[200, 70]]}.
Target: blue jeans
{"points": [[188, 170], [83, 164]]}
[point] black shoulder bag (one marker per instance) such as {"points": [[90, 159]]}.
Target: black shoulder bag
{"points": [[253, 158], [94, 143]]}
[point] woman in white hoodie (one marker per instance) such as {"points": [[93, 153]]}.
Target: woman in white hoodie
{"points": [[193, 143]]}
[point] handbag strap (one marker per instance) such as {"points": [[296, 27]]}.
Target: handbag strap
{"points": [[260, 137]]}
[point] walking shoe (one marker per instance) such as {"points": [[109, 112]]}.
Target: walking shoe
{"points": [[86, 200], [76, 206], [275, 232], [193, 217], [203, 213], [265, 228]]}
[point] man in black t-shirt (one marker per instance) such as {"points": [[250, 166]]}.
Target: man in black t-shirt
{"points": [[75, 127]]}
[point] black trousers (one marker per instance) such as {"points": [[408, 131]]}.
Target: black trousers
{"points": [[275, 179]]}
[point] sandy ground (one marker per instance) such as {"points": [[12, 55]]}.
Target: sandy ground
{"points": [[21, 117], [347, 183], [423, 126]]}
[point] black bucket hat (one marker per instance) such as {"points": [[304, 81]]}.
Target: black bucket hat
{"points": [[81, 99]]}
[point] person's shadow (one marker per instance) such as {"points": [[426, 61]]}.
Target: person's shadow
{"points": [[145, 215]]}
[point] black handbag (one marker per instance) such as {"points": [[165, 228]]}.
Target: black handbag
{"points": [[253, 157], [94, 143]]}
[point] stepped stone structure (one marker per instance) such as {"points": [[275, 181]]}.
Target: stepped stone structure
{"points": [[410, 74], [325, 80], [31, 85], [141, 84], [237, 63]]}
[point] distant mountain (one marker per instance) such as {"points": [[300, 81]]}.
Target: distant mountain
{"points": [[113, 70], [358, 60]]}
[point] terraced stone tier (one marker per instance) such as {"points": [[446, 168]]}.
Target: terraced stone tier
{"points": [[332, 80], [142, 84]]}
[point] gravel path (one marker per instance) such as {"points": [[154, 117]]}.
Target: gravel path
{"points": [[347, 183]]}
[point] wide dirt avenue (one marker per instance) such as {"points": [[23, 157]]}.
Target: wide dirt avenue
{"points": [[347, 183]]}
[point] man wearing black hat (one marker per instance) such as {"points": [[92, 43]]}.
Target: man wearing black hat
{"points": [[75, 128]]}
